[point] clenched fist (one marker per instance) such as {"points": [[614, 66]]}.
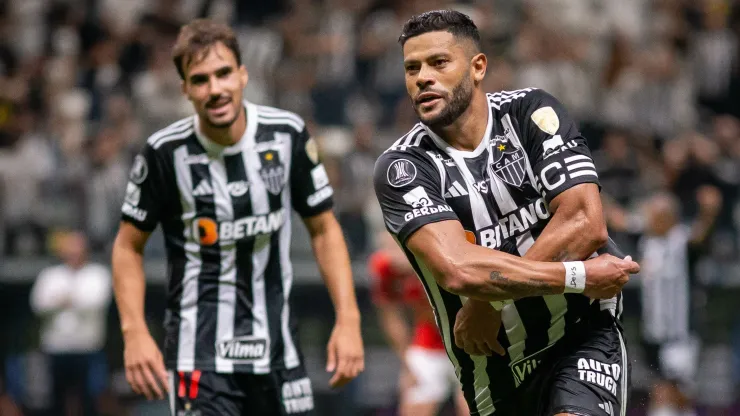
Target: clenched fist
{"points": [[606, 274]]}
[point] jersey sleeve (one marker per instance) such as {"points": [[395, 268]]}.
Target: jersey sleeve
{"points": [[408, 189], [557, 151], [144, 200], [310, 190]]}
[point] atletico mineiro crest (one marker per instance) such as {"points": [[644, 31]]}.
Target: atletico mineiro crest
{"points": [[508, 161], [272, 171]]}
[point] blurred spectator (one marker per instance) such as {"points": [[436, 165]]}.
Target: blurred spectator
{"points": [[157, 93], [24, 164], [107, 178], [72, 300], [356, 187], [714, 50], [380, 53], [668, 253], [335, 54], [653, 93], [257, 13], [120, 118], [618, 167], [261, 52], [559, 57], [620, 177], [689, 164]]}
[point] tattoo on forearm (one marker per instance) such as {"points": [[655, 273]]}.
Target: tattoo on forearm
{"points": [[520, 289]]}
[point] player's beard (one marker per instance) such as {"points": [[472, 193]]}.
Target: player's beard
{"points": [[462, 96]]}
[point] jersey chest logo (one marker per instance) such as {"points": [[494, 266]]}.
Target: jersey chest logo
{"points": [[508, 161], [272, 171]]}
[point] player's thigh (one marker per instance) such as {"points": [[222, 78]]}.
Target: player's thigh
{"points": [[205, 393], [591, 379], [431, 371]]}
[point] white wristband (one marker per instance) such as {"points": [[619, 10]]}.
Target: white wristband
{"points": [[575, 276]]}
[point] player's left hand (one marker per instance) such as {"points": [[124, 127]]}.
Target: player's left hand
{"points": [[476, 328], [345, 354]]}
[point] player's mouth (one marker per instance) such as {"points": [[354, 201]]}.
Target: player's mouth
{"points": [[218, 107], [427, 100]]}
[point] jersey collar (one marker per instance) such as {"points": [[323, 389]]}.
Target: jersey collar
{"points": [[443, 145], [248, 137]]}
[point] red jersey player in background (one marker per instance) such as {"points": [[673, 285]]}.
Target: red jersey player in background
{"points": [[427, 377]]}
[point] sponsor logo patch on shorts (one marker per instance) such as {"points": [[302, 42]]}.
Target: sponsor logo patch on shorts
{"points": [[604, 375], [297, 396]]}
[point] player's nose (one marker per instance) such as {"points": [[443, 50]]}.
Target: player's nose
{"points": [[425, 77], [215, 88]]}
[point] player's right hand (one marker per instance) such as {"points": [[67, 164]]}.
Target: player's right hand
{"points": [[145, 370], [606, 274], [476, 328]]}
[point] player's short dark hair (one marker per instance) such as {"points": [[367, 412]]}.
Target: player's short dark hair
{"points": [[197, 37], [459, 24]]}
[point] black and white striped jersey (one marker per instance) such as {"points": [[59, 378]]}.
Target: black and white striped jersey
{"points": [[531, 152], [665, 263], [225, 213]]}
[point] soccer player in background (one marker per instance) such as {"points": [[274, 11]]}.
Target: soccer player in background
{"points": [[481, 181], [668, 251], [427, 378], [222, 183]]}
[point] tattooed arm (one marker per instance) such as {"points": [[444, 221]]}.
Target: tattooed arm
{"points": [[575, 230], [476, 272]]}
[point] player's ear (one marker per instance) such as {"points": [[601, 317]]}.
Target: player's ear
{"points": [[243, 75], [479, 65]]}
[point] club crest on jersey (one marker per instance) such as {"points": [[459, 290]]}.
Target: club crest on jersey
{"points": [[508, 160], [401, 172], [139, 170], [272, 171]]}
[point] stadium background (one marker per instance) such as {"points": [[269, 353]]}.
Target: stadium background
{"points": [[654, 85]]}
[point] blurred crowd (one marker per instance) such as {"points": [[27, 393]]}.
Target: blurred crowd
{"points": [[653, 84]]}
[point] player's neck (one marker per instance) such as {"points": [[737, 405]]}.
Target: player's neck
{"points": [[226, 136], [467, 131]]}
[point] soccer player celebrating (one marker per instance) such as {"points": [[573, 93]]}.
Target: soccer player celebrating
{"points": [[222, 183], [480, 193], [427, 377]]}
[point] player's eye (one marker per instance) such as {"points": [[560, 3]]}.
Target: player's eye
{"points": [[224, 72], [410, 69], [440, 62], [198, 79]]}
